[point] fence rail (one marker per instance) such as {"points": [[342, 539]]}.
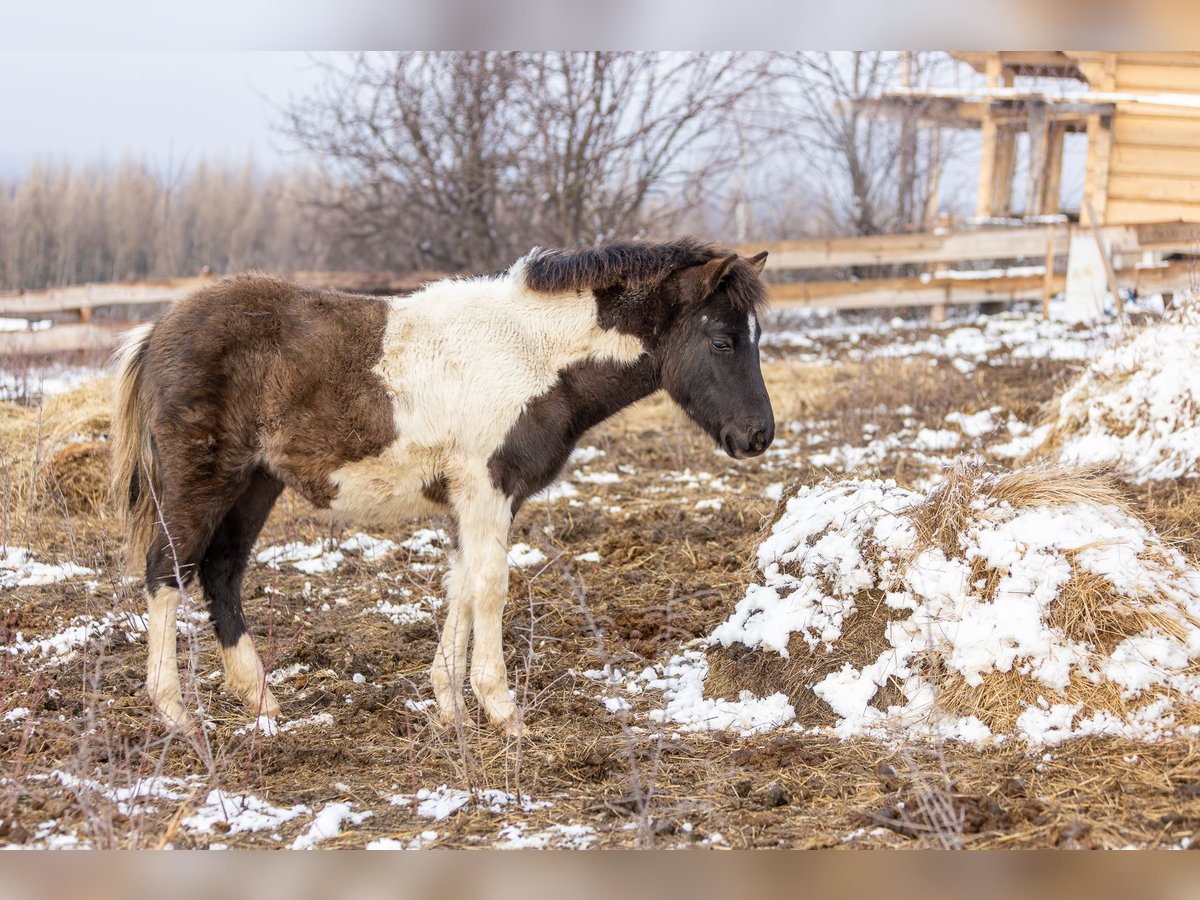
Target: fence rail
{"points": [[1027, 242], [936, 289]]}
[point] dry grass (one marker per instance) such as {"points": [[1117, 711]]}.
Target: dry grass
{"points": [[1087, 609], [670, 574], [55, 456], [948, 509]]}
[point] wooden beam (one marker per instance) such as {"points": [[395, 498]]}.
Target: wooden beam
{"points": [[59, 339], [1051, 195], [897, 292], [88, 296], [1106, 258], [30, 304], [964, 246], [1048, 276], [989, 151], [1184, 189], [892, 292], [1039, 156], [1095, 186], [1006, 167], [1132, 158], [1120, 211]]}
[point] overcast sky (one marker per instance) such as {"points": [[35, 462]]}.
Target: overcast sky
{"points": [[163, 107]]}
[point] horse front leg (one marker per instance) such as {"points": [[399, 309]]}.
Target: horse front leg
{"points": [[484, 516], [450, 658]]}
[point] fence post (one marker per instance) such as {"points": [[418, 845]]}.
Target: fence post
{"points": [[1048, 278], [937, 313]]}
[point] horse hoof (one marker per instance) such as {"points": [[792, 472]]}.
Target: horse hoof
{"points": [[173, 715], [512, 727], [263, 707]]}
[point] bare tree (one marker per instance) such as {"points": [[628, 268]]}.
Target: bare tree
{"points": [[64, 224], [874, 174], [621, 142], [423, 149], [462, 160]]}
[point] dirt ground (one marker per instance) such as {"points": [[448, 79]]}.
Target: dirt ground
{"points": [[674, 525]]}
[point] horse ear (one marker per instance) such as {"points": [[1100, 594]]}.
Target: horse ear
{"points": [[708, 277], [757, 262]]}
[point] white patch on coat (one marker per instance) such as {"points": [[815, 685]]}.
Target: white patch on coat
{"points": [[244, 677], [462, 359], [754, 332], [162, 670]]}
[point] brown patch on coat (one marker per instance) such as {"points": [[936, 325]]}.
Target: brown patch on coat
{"points": [[256, 370], [437, 490]]}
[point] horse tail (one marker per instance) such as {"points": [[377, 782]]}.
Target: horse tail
{"points": [[135, 480]]}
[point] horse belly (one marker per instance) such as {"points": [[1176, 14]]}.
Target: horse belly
{"points": [[385, 489]]}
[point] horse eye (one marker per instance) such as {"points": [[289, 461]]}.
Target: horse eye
{"points": [[721, 345]]}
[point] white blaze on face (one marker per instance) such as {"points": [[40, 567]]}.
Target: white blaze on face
{"points": [[753, 321]]}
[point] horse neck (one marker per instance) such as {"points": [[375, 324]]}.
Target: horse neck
{"points": [[598, 389]]}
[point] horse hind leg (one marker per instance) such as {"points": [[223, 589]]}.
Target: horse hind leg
{"points": [[170, 569], [162, 667], [221, 573]]}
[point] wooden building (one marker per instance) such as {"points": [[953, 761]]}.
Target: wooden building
{"points": [[1140, 111]]}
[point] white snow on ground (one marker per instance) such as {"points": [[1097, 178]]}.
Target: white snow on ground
{"points": [[311, 559], [581, 456], [326, 555], [1138, 404], [849, 536], [523, 556], [61, 646], [445, 801], [983, 340], [35, 383], [1024, 441], [935, 439], [596, 477], [403, 614], [372, 549], [328, 824], [240, 813], [976, 425], [561, 490], [417, 843], [681, 682], [562, 837], [428, 542], [129, 800], [18, 568], [268, 726], [282, 674]]}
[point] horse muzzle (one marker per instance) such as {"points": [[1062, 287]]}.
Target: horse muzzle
{"points": [[745, 440]]}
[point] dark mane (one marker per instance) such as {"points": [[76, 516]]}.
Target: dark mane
{"points": [[638, 265]]}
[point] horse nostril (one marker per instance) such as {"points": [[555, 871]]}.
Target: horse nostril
{"points": [[758, 440]]}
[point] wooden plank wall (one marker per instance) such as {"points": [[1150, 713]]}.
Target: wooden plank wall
{"points": [[1154, 164]]}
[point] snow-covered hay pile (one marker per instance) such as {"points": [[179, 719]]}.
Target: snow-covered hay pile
{"points": [[56, 455], [1137, 406], [1028, 605]]}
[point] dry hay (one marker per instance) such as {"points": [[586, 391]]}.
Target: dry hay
{"points": [[1031, 604], [55, 456], [1136, 406]]}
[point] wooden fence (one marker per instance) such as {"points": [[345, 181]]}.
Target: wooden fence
{"points": [[947, 286], [944, 283]]}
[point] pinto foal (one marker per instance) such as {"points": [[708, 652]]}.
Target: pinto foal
{"points": [[464, 399]]}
